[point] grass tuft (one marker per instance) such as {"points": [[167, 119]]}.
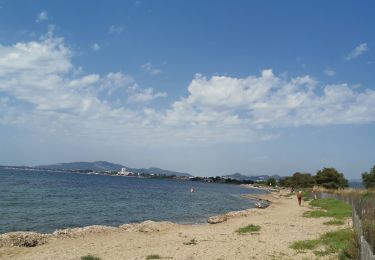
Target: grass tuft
{"points": [[90, 257], [248, 229], [305, 244], [332, 242], [149, 257], [191, 242], [336, 222]]}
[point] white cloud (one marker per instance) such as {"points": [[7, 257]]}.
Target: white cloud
{"points": [[48, 94], [115, 29], [268, 102], [359, 50], [40, 89], [148, 68], [146, 95], [42, 16], [95, 47], [329, 72]]}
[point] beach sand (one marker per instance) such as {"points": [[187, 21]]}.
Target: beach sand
{"points": [[281, 224]]}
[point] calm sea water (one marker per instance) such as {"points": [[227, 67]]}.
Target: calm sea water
{"points": [[45, 201]]}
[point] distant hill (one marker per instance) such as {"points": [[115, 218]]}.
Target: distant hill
{"points": [[237, 176], [107, 166], [95, 166], [241, 177]]}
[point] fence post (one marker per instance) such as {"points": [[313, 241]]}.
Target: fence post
{"points": [[366, 250]]}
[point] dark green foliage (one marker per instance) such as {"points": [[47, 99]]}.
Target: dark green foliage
{"points": [[271, 182], [298, 180], [90, 257], [368, 178], [330, 178], [331, 208]]}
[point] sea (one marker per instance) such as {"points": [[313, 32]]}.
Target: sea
{"points": [[43, 201]]}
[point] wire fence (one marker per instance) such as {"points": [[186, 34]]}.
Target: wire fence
{"points": [[363, 216]]}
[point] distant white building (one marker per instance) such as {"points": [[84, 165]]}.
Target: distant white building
{"points": [[123, 172]]}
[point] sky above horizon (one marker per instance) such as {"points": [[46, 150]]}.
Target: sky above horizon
{"points": [[205, 87]]}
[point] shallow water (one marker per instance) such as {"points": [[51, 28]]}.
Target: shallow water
{"points": [[44, 201]]}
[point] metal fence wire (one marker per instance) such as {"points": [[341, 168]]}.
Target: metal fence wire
{"points": [[363, 217]]}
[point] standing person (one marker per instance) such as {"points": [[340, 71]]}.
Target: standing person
{"points": [[299, 197]]}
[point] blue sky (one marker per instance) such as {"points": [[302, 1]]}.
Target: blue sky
{"points": [[208, 87]]}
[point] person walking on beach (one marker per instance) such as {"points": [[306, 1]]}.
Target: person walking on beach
{"points": [[299, 198]]}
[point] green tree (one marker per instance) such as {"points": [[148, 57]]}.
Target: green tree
{"points": [[271, 181], [330, 178], [368, 178], [298, 180]]}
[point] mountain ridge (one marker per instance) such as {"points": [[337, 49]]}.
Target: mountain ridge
{"points": [[240, 176], [108, 166]]}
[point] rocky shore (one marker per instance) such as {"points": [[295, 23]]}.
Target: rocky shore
{"points": [[32, 239], [280, 224]]}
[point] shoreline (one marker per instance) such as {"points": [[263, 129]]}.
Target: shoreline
{"points": [[33, 238], [281, 224]]}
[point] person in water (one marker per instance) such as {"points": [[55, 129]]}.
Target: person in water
{"points": [[299, 198]]}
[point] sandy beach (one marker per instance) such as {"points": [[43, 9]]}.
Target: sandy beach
{"points": [[281, 224]]}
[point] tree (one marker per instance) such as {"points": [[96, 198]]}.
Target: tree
{"points": [[298, 180], [330, 178], [368, 178], [271, 181]]}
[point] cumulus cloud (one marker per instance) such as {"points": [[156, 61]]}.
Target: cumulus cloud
{"points": [[42, 16], [40, 89], [269, 101], [148, 68], [358, 51], [95, 47], [146, 95], [48, 94]]}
